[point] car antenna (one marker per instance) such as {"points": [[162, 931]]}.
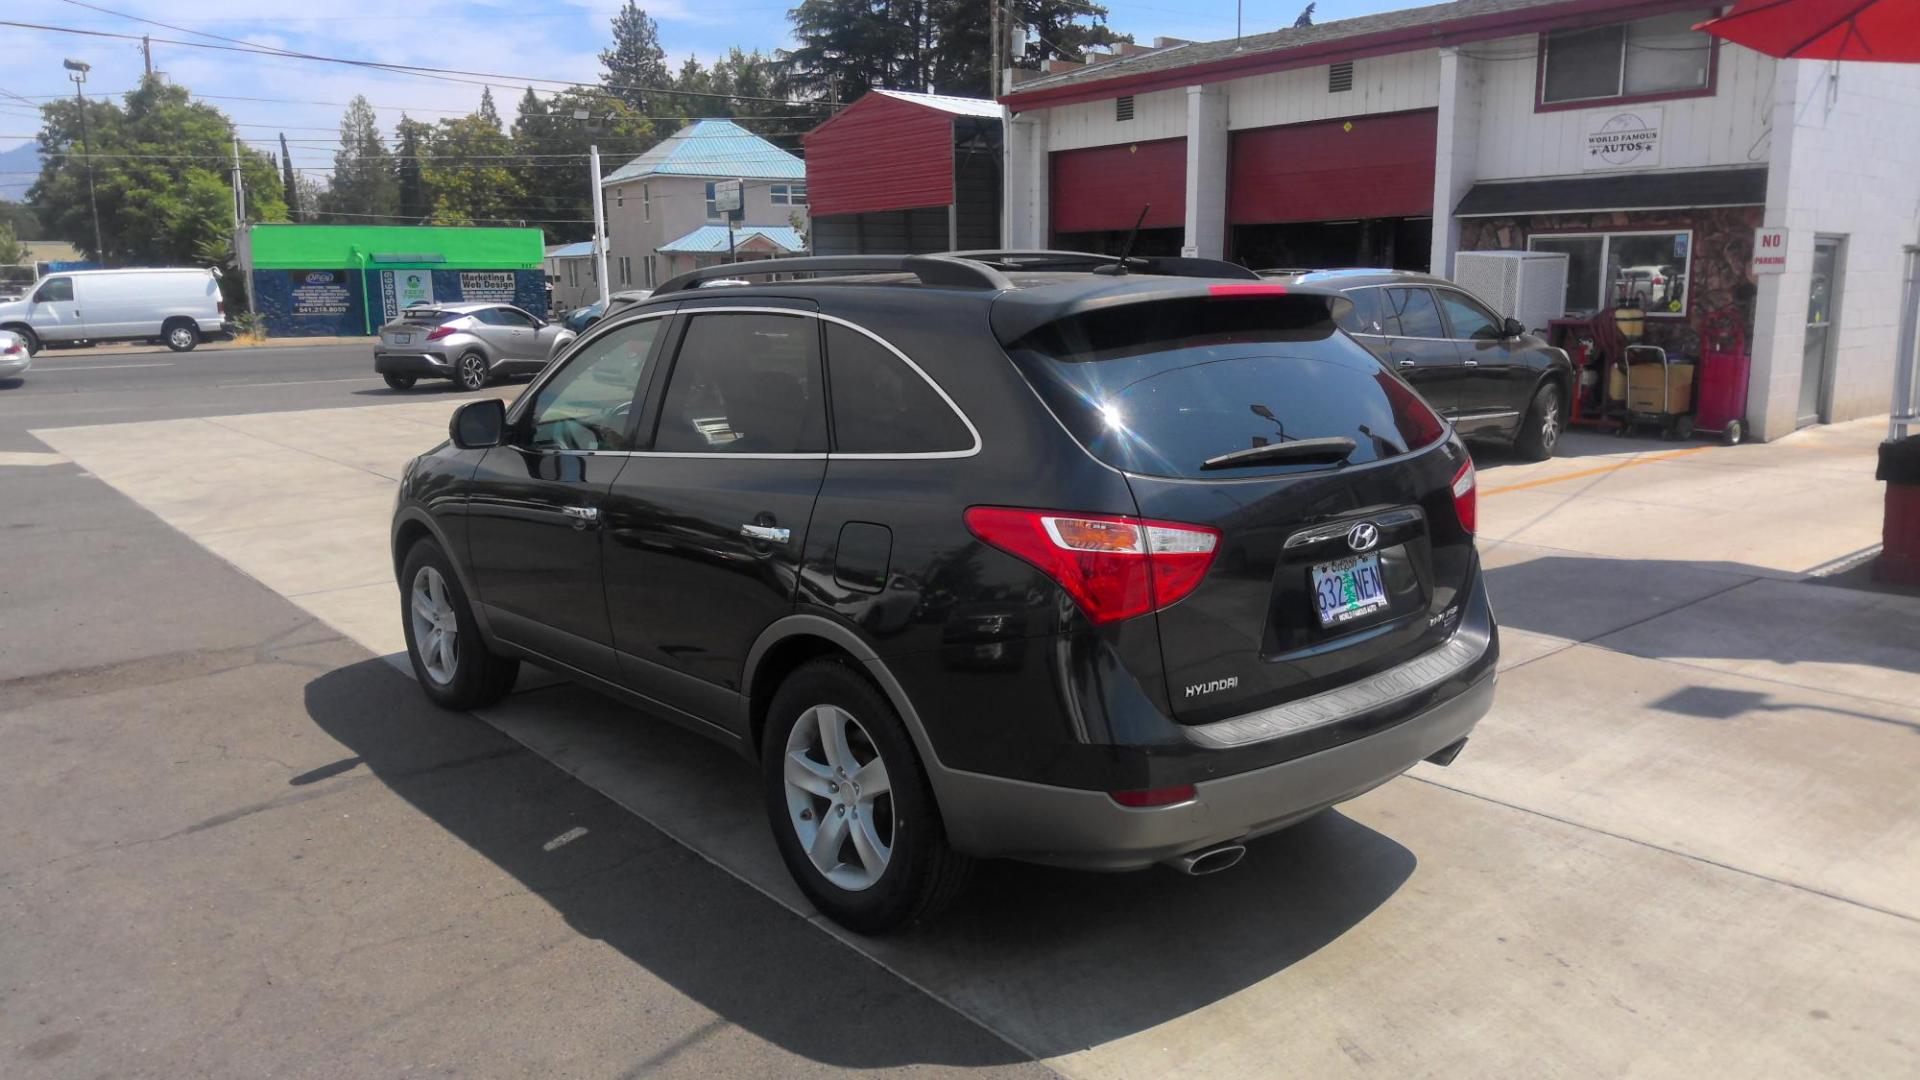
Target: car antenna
{"points": [[1126, 249]]}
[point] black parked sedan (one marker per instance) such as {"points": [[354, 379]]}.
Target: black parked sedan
{"points": [[1484, 373]]}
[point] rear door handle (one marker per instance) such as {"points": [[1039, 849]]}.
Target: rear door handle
{"points": [[1406, 363], [583, 516], [772, 534], [1469, 363]]}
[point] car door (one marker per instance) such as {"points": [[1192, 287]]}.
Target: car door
{"points": [[520, 343], [1418, 345], [1493, 387], [707, 524], [55, 314], [545, 334], [535, 504]]}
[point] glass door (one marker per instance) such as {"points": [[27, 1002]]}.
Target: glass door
{"points": [[1823, 308]]}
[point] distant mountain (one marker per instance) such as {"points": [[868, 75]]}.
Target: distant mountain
{"points": [[19, 168]]}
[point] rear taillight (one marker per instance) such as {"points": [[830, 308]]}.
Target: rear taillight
{"points": [[1113, 567], [220, 308], [1466, 499], [14, 349], [439, 332]]}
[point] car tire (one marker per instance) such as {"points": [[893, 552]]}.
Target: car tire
{"points": [[181, 335], [472, 371], [871, 862], [453, 665], [31, 339], [1540, 429], [400, 382]]}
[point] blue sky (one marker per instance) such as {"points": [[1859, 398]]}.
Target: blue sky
{"points": [[551, 40]]}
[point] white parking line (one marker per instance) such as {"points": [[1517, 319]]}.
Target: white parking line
{"points": [[292, 382]]}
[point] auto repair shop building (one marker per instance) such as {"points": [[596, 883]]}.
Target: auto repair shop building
{"points": [[326, 280], [1648, 152]]}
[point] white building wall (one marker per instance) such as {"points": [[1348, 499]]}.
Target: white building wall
{"points": [[1456, 150], [1159, 115], [1728, 128], [1846, 162], [1381, 84]]}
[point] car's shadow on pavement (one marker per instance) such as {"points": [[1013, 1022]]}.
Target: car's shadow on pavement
{"points": [[1059, 961]]}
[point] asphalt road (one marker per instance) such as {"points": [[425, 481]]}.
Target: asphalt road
{"points": [[68, 387], [233, 842]]}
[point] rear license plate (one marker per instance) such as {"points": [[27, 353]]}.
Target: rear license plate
{"points": [[402, 339], [1345, 589]]}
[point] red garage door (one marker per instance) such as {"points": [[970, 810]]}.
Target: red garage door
{"points": [[1331, 170], [1103, 188]]}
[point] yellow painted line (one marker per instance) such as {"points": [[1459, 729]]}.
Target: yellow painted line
{"points": [[1601, 470]]}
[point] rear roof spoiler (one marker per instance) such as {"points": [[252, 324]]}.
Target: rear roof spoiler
{"points": [[1161, 265]]}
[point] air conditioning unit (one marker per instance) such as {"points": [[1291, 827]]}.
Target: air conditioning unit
{"points": [[1530, 286]]}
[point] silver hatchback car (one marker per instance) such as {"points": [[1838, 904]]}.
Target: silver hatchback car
{"points": [[472, 344]]}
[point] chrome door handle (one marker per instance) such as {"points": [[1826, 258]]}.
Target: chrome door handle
{"points": [[772, 534], [1469, 363], [582, 516], [1406, 363]]}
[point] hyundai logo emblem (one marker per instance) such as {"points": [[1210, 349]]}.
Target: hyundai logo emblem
{"points": [[1364, 536]]}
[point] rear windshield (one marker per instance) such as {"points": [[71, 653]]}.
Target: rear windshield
{"points": [[1159, 388]]}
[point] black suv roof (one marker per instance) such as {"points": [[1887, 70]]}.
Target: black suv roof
{"points": [[1028, 288]]}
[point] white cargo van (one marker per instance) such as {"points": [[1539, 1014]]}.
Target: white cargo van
{"points": [[179, 307]]}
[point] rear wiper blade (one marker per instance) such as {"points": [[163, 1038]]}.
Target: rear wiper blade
{"points": [[1330, 449]]}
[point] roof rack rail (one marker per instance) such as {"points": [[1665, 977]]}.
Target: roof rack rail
{"points": [[1167, 265], [930, 269]]}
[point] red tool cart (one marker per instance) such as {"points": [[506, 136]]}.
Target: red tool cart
{"points": [[1721, 394]]}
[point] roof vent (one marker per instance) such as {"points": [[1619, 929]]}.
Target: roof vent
{"points": [[1340, 77], [1123, 108]]}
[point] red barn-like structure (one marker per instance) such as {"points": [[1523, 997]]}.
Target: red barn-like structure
{"points": [[897, 172]]}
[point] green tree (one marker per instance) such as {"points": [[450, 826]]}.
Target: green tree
{"points": [[25, 223], [555, 182], [469, 172], [12, 251], [161, 165], [364, 189], [1066, 29], [289, 186], [636, 65], [411, 138]]}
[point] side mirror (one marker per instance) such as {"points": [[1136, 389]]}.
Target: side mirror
{"points": [[479, 424], [1512, 328]]}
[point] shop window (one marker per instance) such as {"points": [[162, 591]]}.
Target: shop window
{"points": [[1648, 270], [1654, 57]]}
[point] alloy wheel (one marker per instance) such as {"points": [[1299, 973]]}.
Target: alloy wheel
{"points": [[473, 371], [436, 629], [839, 798], [1550, 422]]}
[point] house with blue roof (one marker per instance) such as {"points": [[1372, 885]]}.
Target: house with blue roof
{"points": [[661, 214]]}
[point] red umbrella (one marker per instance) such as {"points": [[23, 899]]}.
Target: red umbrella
{"points": [[1886, 30]]}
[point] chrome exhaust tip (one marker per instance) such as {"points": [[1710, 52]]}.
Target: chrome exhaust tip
{"points": [[1211, 861]]}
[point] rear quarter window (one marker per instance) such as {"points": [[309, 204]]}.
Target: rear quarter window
{"points": [[1159, 388], [882, 406]]}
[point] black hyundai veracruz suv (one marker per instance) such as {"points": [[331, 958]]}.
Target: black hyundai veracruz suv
{"points": [[1063, 558]]}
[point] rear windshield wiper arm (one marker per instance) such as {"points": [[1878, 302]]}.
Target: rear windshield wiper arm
{"points": [[1331, 449]]}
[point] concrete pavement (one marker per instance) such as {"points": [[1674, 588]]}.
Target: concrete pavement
{"points": [[1684, 841]]}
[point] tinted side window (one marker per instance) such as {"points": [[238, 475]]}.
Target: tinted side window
{"points": [[881, 406], [54, 291], [1365, 316], [588, 405], [1410, 313], [506, 316], [745, 384], [1468, 318]]}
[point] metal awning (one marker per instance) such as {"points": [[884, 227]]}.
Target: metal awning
{"points": [[1696, 190]]}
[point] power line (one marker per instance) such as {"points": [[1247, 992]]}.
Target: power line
{"points": [[456, 75]]}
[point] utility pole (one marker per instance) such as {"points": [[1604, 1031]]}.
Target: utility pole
{"points": [[77, 71], [995, 43], [146, 53], [240, 224], [599, 223]]}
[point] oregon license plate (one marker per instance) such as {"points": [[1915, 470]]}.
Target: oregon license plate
{"points": [[1345, 589], [402, 339]]}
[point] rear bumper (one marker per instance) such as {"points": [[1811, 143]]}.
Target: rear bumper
{"points": [[14, 365], [998, 817], [417, 364]]}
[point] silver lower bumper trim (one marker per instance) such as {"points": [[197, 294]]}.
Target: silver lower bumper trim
{"points": [[1417, 675]]}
